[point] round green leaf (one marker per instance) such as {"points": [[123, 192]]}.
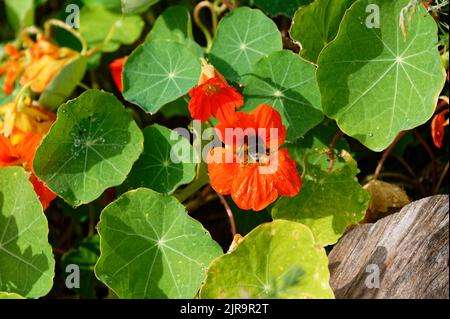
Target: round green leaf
{"points": [[96, 24], [166, 163], [314, 148], [275, 260], [327, 203], [113, 5], [279, 7], [243, 37], [91, 147], [315, 25], [151, 248], [8, 295], [26, 259], [286, 82], [373, 81], [159, 72], [20, 13], [175, 24], [136, 6]]}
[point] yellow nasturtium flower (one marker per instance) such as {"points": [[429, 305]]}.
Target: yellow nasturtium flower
{"points": [[24, 116]]}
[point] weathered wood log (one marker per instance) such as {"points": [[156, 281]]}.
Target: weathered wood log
{"points": [[404, 255]]}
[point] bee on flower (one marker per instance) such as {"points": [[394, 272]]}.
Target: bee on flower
{"points": [[251, 166]]}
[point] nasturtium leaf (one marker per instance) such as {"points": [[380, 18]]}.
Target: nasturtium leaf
{"points": [[91, 147], [151, 248], [10, 295], [175, 24], [159, 72], [279, 7], [136, 6], [166, 163], [84, 256], [20, 13], [375, 82], [107, 4], [313, 148], [26, 258], [315, 25], [327, 202], [287, 83], [275, 260], [63, 84], [243, 37], [97, 24]]}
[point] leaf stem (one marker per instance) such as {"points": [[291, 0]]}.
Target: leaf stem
{"points": [[229, 213], [228, 4], [443, 103], [198, 21], [441, 179], [333, 143], [92, 220], [199, 182], [396, 175], [83, 86], [411, 172], [431, 155], [386, 154], [99, 47], [60, 24]]}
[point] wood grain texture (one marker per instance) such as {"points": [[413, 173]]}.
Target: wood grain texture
{"points": [[409, 250]]}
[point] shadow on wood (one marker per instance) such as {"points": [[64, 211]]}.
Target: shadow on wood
{"points": [[404, 255]]}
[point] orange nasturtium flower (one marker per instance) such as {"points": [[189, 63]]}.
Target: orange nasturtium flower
{"points": [[213, 96], [20, 134], [37, 64], [116, 68], [437, 127], [253, 178], [47, 60]]}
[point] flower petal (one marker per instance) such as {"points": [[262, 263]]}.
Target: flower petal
{"points": [[26, 148], [8, 155], [46, 196], [213, 98], [237, 124], [220, 172], [116, 68], [227, 100], [252, 190], [288, 182], [199, 105], [437, 128], [267, 117]]}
